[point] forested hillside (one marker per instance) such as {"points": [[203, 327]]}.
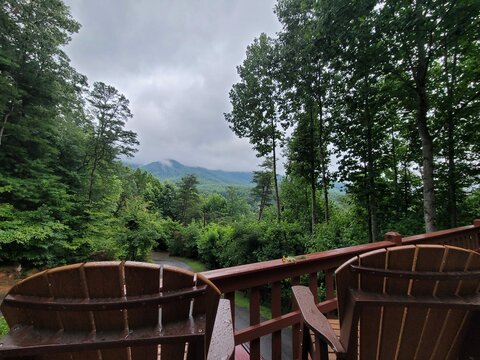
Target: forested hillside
{"points": [[173, 171], [387, 91]]}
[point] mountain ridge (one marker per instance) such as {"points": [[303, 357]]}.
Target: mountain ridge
{"points": [[173, 170]]}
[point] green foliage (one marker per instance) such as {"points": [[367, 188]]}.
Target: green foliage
{"points": [[187, 203], [139, 233], [3, 326], [169, 232], [344, 229], [181, 240], [212, 243]]}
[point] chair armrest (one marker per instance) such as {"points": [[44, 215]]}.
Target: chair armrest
{"points": [[314, 319], [222, 344]]}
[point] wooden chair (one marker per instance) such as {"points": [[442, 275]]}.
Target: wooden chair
{"points": [[405, 302], [116, 310]]}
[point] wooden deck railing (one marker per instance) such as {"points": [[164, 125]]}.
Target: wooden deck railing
{"points": [[253, 277]]}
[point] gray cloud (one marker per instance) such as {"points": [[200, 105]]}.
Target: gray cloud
{"points": [[176, 61]]}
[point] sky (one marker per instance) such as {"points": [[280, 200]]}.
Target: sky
{"points": [[175, 60]]}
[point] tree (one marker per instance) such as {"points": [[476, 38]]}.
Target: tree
{"points": [[414, 36], [109, 112], [255, 103], [262, 191], [188, 199], [306, 78], [214, 208]]}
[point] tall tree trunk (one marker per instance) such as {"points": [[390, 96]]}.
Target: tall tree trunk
{"points": [[5, 120], [313, 179], [419, 73], [274, 164], [429, 211], [452, 171], [395, 173], [370, 168], [323, 163], [372, 198]]}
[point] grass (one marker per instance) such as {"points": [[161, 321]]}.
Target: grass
{"points": [[196, 265], [243, 301], [3, 326]]}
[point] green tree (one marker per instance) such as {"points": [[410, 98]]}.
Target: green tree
{"points": [[214, 208], [255, 104], [262, 191], [188, 199], [139, 233], [109, 111]]}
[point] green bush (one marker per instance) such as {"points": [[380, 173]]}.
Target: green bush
{"points": [[279, 239], [3, 326], [181, 240], [342, 230]]}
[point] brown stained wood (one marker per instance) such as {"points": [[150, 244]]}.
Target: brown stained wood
{"points": [[276, 306], [314, 319], [207, 306], [82, 289], [427, 258], [393, 317], [39, 287], [371, 318], [345, 280], [296, 328], [69, 282], [105, 280], [329, 284], [142, 279], [457, 320], [434, 318], [172, 279], [254, 314]]}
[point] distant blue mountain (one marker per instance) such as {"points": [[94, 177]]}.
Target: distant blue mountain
{"points": [[173, 171]]}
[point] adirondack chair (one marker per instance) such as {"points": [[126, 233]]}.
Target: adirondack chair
{"points": [[405, 302], [116, 310]]}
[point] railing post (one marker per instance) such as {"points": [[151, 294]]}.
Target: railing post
{"points": [[277, 311], [394, 237], [296, 335], [476, 222], [329, 288], [254, 320]]}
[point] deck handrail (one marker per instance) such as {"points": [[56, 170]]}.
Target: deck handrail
{"points": [[272, 272]]}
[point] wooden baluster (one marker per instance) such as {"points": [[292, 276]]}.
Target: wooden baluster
{"points": [[313, 285], [296, 334], [255, 319], [329, 289], [276, 311]]}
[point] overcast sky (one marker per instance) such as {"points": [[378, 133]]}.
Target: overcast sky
{"points": [[175, 60]]}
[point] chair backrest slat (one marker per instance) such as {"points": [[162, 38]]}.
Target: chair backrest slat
{"points": [[174, 279], [105, 280], [69, 282], [393, 317], [142, 279]]}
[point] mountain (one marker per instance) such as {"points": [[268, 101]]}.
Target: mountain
{"points": [[173, 171]]}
